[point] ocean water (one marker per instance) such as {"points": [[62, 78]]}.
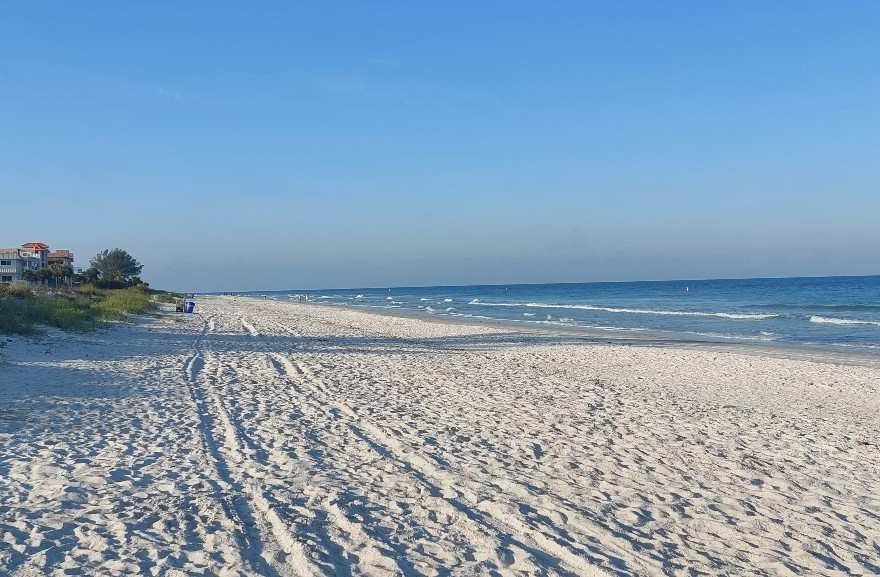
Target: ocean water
{"points": [[824, 311]]}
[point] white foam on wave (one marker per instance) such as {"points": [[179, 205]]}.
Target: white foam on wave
{"points": [[425, 300], [359, 296], [851, 345], [761, 337], [567, 324], [735, 316], [447, 300], [470, 316], [837, 321]]}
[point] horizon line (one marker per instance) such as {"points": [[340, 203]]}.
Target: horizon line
{"points": [[460, 285]]}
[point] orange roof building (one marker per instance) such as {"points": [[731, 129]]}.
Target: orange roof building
{"points": [[17, 263], [64, 257]]}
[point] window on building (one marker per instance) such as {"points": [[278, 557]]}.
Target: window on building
{"points": [[5, 278], [5, 263]]}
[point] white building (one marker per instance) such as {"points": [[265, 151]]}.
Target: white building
{"points": [[32, 256]]}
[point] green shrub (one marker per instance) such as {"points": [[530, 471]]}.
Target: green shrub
{"points": [[164, 297], [17, 289], [80, 310], [116, 304], [63, 312], [13, 317], [87, 289]]}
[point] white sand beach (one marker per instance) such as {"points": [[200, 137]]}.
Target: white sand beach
{"points": [[285, 439]]}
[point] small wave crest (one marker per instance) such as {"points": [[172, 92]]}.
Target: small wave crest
{"points": [[836, 321], [733, 316], [852, 307]]}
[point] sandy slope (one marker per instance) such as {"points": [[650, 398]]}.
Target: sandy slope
{"points": [[261, 438]]}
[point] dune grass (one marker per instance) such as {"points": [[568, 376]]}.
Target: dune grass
{"points": [[117, 304], [23, 312], [165, 297]]}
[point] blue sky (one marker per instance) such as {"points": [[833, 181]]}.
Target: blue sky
{"points": [[298, 145]]}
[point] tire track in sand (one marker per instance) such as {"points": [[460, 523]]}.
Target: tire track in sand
{"points": [[249, 510], [343, 532], [363, 548], [241, 463], [249, 327], [568, 558]]}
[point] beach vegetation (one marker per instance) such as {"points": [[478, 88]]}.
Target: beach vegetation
{"points": [[117, 304], [165, 296], [16, 289], [115, 268], [89, 276], [24, 311]]}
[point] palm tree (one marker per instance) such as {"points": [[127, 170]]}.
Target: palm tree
{"points": [[68, 274], [56, 272], [59, 272], [43, 275]]}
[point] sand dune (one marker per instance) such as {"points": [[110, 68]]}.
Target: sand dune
{"points": [[276, 439]]}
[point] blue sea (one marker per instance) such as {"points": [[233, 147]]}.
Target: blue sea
{"points": [[841, 312]]}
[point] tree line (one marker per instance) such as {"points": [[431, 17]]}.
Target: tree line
{"points": [[110, 268], [113, 268]]}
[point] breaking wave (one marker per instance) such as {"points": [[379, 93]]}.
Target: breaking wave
{"points": [[734, 316], [836, 321], [819, 307]]}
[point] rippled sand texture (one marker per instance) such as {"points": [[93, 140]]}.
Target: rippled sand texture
{"points": [[275, 439]]}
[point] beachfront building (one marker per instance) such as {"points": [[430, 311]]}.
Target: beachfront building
{"points": [[61, 257], [17, 264], [11, 265], [24, 263], [37, 250]]}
